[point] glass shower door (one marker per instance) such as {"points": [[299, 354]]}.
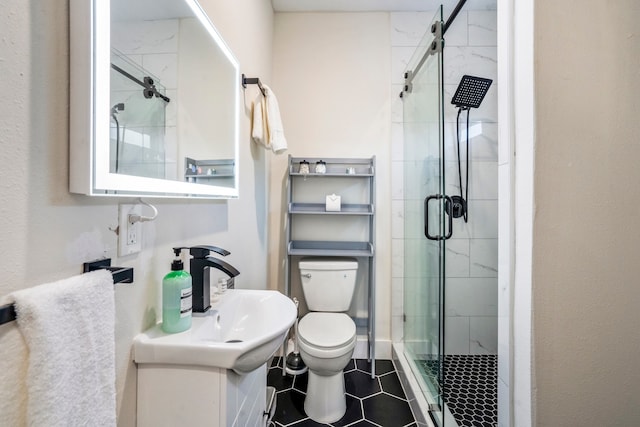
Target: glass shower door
{"points": [[426, 223]]}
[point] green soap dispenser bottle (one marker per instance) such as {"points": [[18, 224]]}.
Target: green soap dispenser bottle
{"points": [[176, 297]]}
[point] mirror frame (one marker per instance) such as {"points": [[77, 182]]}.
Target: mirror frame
{"points": [[90, 58]]}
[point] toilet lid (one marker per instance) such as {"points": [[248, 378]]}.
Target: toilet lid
{"points": [[326, 329]]}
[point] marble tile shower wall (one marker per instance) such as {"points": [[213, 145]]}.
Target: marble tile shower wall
{"points": [[153, 45], [472, 252]]}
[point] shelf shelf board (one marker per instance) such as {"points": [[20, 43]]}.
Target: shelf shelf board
{"points": [[327, 248], [320, 209], [331, 174], [335, 167], [215, 175]]}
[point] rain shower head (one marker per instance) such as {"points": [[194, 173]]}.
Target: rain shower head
{"points": [[471, 92]]}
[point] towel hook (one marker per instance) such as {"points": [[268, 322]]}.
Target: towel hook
{"points": [[253, 81]]}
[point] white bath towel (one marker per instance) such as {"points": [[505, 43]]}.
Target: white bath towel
{"points": [[267, 128], [69, 328]]}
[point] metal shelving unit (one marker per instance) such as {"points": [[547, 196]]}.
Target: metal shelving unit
{"points": [[355, 178]]}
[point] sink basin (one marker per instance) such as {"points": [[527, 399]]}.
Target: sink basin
{"points": [[240, 332]]}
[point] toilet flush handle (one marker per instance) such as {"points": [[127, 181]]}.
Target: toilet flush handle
{"points": [[306, 275]]}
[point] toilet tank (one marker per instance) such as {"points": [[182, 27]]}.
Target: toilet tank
{"points": [[328, 284]]}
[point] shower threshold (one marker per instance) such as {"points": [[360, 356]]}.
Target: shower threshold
{"points": [[420, 404]]}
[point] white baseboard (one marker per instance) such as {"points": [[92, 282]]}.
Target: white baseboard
{"points": [[382, 349]]}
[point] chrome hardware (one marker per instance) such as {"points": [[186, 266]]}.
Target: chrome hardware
{"points": [[306, 276]]}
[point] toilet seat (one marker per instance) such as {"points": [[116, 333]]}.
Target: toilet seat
{"points": [[326, 335]]}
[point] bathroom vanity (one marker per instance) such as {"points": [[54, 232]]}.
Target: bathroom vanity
{"points": [[215, 373], [179, 395]]}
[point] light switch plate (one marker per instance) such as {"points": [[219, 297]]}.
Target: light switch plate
{"points": [[129, 235]]}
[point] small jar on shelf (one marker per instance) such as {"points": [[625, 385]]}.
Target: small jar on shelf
{"points": [[321, 167], [303, 168]]}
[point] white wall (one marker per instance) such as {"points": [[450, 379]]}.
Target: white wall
{"points": [[506, 314], [331, 76], [46, 232]]}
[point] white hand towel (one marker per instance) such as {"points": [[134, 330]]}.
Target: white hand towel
{"points": [[69, 329], [259, 129], [277, 141]]}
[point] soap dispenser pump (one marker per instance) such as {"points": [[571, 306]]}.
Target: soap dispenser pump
{"points": [[176, 297]]}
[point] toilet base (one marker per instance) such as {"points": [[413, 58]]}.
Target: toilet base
{"points": [[326, 401]]}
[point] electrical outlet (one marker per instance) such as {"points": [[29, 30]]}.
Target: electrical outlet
{"points": [[129, 235]]}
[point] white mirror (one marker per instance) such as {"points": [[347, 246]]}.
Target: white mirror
{"points": [[154, 101]]}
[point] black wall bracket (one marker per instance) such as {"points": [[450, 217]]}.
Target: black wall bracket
{"points": [[120, 275], [253, 81]]}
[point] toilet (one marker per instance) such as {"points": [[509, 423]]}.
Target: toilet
{"points": [[327, 335]]}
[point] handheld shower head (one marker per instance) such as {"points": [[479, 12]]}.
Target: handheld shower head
{"points": [[470, 93], [114, 115], [118, 107]]}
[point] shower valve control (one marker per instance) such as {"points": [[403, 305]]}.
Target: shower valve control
{"points": [[457, 207]]}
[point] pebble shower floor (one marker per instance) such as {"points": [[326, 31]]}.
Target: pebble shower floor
{"points": [[471, 388]]}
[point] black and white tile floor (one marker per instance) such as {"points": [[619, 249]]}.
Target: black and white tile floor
{"points": [[370, 402]]}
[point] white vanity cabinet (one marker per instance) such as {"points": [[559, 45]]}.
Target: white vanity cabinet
{"points": [[179, 395]]}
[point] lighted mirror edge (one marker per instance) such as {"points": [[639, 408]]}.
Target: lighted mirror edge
{"points": [[133, 184], [204, 18], [161, 195], [84, 155]]}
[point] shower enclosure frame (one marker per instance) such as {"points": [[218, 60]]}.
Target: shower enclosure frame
{"points": [[514, 94], [437, 216], [426, 223]]}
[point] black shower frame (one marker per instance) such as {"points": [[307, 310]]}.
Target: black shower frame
{"points": [[147, 84], [453, 16]]}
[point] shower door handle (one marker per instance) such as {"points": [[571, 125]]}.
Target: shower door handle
{"points": [[426, 217]]}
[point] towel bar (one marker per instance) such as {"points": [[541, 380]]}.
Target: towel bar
{"points": [[253, 81], [120, 275]]}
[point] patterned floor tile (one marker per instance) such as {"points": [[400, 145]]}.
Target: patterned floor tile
{"points": [[391, 384], [388, 411], [360, 384], [367, 400]]}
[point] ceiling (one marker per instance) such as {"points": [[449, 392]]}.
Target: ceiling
{"points": [[376, 5]]}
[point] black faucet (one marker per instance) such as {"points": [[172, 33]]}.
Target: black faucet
{"points": [[200, 266]]}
